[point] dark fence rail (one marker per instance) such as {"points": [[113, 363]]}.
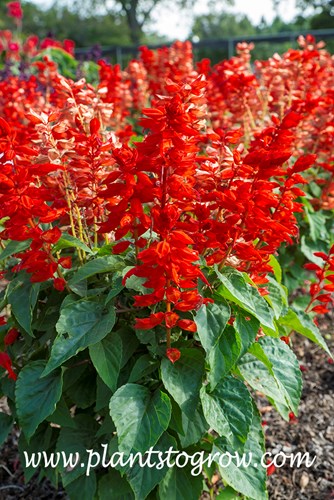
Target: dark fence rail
{"points": [[228, 44]]}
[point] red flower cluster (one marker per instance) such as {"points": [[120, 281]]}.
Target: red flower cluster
{"points": [[322, 291], [190, 195], [14, 10]]}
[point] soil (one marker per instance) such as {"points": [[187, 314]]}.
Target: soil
{"points": [[312, 431]]}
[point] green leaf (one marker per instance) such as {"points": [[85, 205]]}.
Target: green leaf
{"points": [[143, 367], [211, 320], [14, 247], [308, 247], [83, 487], [301, 322], [237, 290], [273, 262], [99, 265], [249, 481], [276, 372], [81, 324], [107, 358], [6, 424], [228, 494], [246, 328], [277, 297], [144, 479], [229, 410], [117, 287], [36, 397], [180, 484], [83, 392], [183, 379], [22, 296], [139, 416], [75, 442], [193, 428], [317, 221], [223, 356], [61, 416], [69, 241], [113, 486]]}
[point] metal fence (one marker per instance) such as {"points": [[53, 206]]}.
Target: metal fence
{"points": [[119, 53]]}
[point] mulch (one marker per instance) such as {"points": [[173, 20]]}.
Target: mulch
{"points": [[312, 431]]}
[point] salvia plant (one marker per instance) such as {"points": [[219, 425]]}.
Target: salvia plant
{"points": [[146, 223]]}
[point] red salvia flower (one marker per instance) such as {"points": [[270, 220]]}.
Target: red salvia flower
{"points": [[11, 336], [6, 363]]}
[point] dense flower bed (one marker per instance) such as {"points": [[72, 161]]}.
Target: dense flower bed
{"points": [[153, 223]]}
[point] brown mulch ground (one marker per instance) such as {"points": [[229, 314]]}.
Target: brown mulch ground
{"points": [[312, 432]]}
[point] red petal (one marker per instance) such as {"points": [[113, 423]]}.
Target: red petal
{"points": [[173, 354]]}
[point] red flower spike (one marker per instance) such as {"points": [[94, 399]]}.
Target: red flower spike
{"points": [[173, 354], [11, 336], [286, 340], [6, 363]]}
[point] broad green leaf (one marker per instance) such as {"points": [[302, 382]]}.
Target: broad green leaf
{"points": [[144, 479], [277, 297], [183, 379], [260, 378], [248, 480], [113, 486], [83, 487], [273, 262], [42, 440], [180, 484], [308, 247], [193, 428], [99, 265], [74, 443], [61, 416], [22, 296], [69, 241], [227, 494], [143, 366], [211, 320], [229, 410], [107, 358], [317, 221], [223, 355], [6, 424], [14, 247], [276, 373], [117, 287], [301, 322], [103, 395], [140, 417], [237, 290], [36, 397], [246, 328], [83, 392], [81, 324]]}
